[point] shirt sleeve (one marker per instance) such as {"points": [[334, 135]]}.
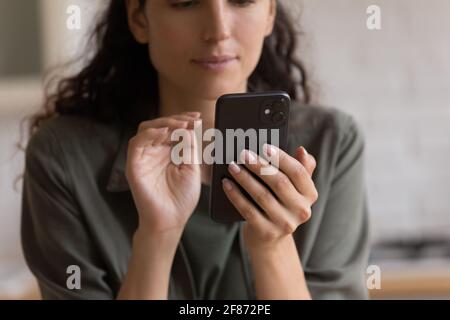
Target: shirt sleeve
{"points": [[337, 266], [54, 236]]}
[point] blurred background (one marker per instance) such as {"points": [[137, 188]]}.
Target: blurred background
{"points": [[394, 81]]}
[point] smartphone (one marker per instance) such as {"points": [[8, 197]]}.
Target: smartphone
{"points": [[246, 120]]}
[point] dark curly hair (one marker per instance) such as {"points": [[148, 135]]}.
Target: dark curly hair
{"points": [[119, 83]]}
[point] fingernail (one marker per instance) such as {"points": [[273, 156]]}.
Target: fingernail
{"points": [[227, 184], [304, 151], [234, 168], [263, 161], [193, 114], [194, 123], [182, 124], [248, 156], [269, 150]]}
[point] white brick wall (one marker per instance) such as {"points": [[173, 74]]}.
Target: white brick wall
{"points": [[396, 82], [16, 100]]}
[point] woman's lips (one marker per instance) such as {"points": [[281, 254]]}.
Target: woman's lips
{"points": [[215, 63]]}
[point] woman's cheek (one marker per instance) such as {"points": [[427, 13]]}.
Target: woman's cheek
{"points": [[251, 37], [169, 57], [252, 52]]}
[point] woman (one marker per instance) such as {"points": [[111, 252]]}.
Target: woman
{"points": [[102, 197]]}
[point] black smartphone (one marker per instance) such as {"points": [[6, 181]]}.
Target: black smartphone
{"points": [[247, 120]]}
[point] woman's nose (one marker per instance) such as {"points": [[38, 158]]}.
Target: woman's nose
{"points": [[217, 22]]}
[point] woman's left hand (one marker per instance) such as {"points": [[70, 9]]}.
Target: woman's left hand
{"points": [[290, 181]]}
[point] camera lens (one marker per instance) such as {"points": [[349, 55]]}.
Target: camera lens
{"points": [[278, 116], [278, 105]]}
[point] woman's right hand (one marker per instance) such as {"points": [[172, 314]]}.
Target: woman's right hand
{"points": [[165, 194]]}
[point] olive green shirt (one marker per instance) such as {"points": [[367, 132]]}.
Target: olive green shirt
{"points": [[78, 210]]}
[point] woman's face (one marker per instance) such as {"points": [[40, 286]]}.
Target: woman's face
{"points": [[203, 47]]}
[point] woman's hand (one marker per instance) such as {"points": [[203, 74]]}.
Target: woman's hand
{"points": [[165, 194], [282, 214]]}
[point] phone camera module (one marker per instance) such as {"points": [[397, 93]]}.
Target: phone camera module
{"points": [[278, 116]]}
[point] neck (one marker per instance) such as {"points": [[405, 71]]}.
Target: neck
{"points": [[174, 101]]}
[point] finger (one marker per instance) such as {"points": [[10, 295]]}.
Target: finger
{"points": [[248, 211], [308, 161], [146, 141], [192, 122], [184, 118], [187, 116], [295, 170], [153, 137], [194, 114], [185, 151], [262, 196], [195, 124], [274, 178], [193, 148], [190, 160], [163, 122]]}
